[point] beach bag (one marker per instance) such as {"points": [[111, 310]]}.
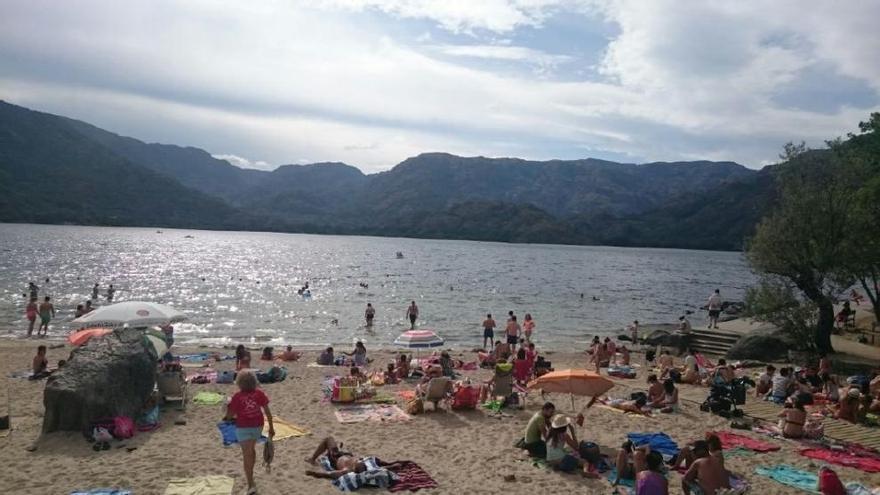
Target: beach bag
{"points": [[415, 406], [829, 483], [123, 427], [226, 376]]}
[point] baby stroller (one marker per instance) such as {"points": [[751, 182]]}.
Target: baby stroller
{"points": [[723, 399]]}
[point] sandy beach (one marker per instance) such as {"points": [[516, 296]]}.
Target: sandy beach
{"points": [[469, 452]]}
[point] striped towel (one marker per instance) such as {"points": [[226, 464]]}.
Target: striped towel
{"points": [[373, 477], [411, 477]]}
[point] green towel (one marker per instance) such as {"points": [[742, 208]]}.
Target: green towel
{"points": [[208, 398], [739, 452], [493, 405]]}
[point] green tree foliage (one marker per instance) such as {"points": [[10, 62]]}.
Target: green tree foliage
{"points": [[824, 235], [776, 300]]}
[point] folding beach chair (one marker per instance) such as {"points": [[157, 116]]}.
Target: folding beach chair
{"points": [[171, 386]]}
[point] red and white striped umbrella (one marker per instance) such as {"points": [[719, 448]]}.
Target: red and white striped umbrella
{"points": [[418, 339]]}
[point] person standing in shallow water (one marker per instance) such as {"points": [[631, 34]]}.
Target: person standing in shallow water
{"points": [[369, 314], [412, 312], [47, 312], [110, 292], [31, 313], [95, 292], [488, 331]]}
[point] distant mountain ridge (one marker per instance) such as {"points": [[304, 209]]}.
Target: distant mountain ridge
{"points": [[709, 205]]}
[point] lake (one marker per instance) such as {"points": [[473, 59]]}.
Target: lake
{"points": [[242, 286]]}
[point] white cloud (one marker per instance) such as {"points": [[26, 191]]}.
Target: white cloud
{"points": [[268, 79], [242, 162]]}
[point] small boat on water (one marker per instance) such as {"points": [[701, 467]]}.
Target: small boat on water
{"points": [[399, 255]]}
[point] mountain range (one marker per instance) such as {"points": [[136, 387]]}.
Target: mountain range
{"points": [[58, 170]]}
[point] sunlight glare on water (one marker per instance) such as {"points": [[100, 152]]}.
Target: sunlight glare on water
{"points": [[242, 286]]}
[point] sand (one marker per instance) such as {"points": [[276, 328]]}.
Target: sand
{"points": [[470, 452]]}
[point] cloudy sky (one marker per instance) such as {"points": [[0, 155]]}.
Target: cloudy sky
{"points": [[372, 82]]}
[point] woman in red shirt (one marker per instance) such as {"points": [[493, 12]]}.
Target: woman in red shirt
{"points": [[247, 407]]}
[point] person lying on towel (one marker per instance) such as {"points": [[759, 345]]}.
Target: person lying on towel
{"points": [[337, 463]]}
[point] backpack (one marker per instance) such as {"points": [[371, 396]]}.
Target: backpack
{"points": [[226, 376], [123, 427]]}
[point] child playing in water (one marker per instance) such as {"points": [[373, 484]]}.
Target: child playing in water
{"points": [[247, 408]]}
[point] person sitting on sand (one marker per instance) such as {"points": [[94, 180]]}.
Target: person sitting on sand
{"points": [[536, 431], [849, 406], [765, 381], [447, 365], [359, 354], [721, 375], [670, 397], [402, 367], [337, 463], [247, 408], [684, 325], [267, 354], [792, 419], [560, 436], [780, 387], [656, 392], [830, 388], [690, 373], [624, 462], [666, 363], [356, 375], [326, 357], [242, 358], [390, 375], [650, 477], [624, 355], [706, 475], [290, 354], [689, 453], [40, 365]]}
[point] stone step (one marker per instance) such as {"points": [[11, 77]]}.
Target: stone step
{"points": [[716, 335]]}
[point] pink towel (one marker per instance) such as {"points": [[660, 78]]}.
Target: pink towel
{"points": [[730, 440], [849, 459]]}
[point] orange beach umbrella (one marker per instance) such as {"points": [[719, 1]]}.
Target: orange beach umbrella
{"points": [[572, 382], [81, 337]]}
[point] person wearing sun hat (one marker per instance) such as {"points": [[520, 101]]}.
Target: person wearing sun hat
{"points": [[560, 436]]}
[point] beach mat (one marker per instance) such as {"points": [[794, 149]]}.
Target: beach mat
{"points": [[730, 440], [789, 476], [411, 477], [835, 429], [202, 485], [283, 430], [659, 442], [370, 412], [841, 458], [206, 398]]}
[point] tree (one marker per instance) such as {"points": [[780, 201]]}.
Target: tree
{"points": [[775, 300], [861, 262], [804, 237]]}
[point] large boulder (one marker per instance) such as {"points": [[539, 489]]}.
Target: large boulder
{"points": [[763, 344], [112, 375]]}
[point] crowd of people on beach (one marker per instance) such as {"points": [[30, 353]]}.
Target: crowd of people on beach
{"points": [[45, 310]]}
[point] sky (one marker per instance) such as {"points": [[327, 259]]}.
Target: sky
{"points": [[372, 82]]}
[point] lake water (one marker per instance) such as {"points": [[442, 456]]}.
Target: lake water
{"points": [[242, 286]]}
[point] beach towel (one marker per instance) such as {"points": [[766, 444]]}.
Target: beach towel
{"points": [[411, 477], [206, 398], [228, 435], [659, 442], [283, 429], [790, 476], [373, 476], [844, 458], [611, 474], [855, 488], [202, 485], [370, 412], [102, 491], [406, 395], [739, 452], [730, 440]]}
